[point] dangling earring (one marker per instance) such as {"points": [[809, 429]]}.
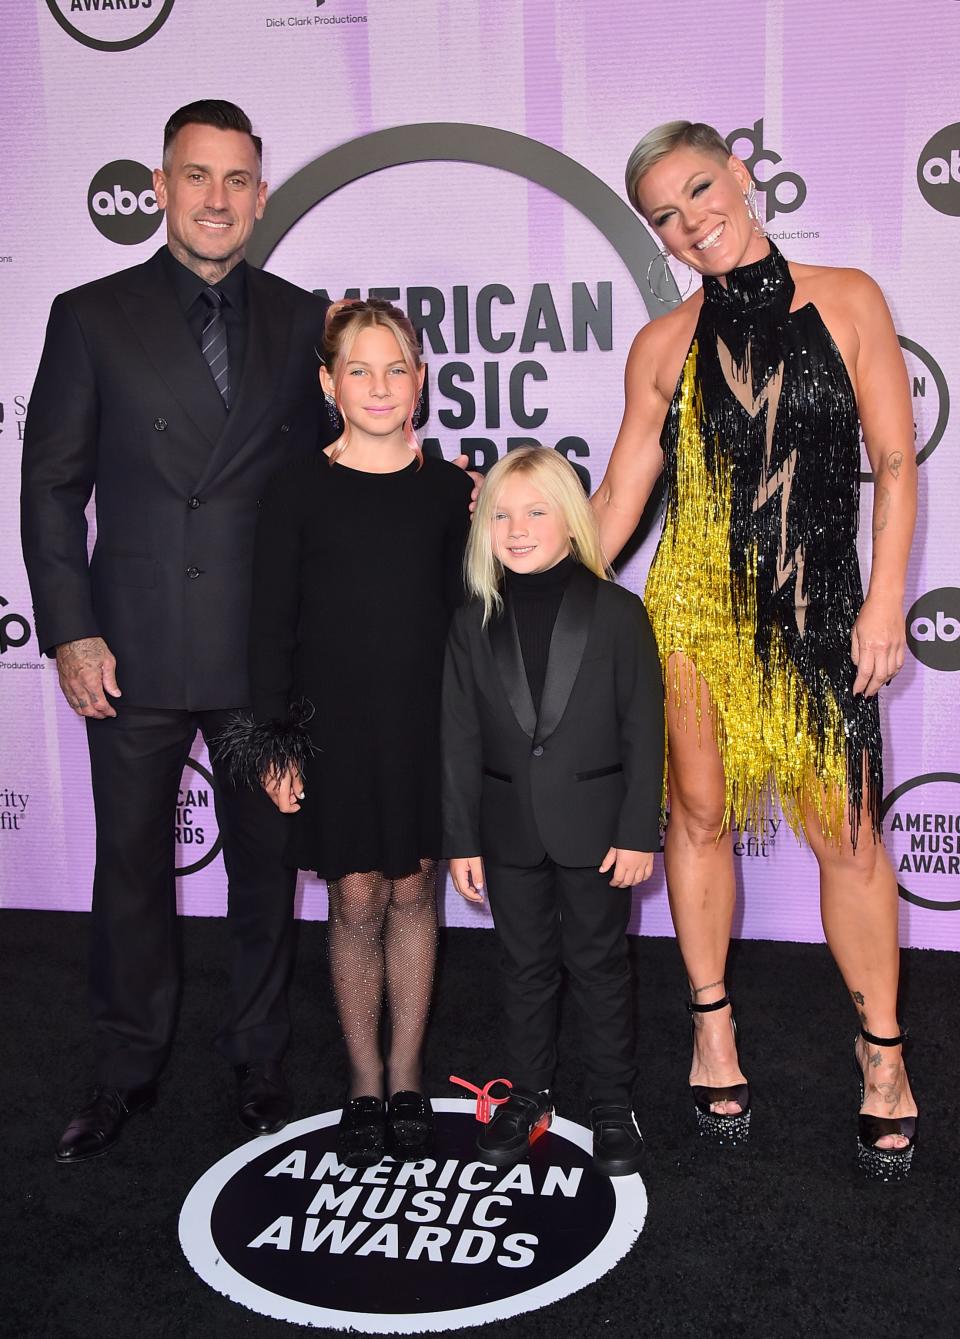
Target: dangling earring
{"points": [[665, 276], [417, 416], [333, 413], [753, 209]]}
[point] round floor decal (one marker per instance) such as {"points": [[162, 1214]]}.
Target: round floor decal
{"points": [[406, 1248]]}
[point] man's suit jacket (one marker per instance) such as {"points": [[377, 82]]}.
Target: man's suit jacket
{"points": [[124, 404], [584, 775]]}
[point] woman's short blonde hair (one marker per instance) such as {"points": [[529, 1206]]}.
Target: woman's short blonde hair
{"points": [[660, 141], [562, 488]]}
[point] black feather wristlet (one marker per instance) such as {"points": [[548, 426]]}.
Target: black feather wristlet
{"points": [[252, 750]]}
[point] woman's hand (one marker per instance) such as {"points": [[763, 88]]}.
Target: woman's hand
{"points": [[629, 867], [285, 789], [877, 644], [467, 874], [463, 462]]}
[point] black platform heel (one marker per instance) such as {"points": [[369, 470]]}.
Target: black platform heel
{"points": [[724, 1130], [882, 1164]]}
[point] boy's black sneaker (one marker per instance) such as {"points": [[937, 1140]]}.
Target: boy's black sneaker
{"points": [[617, 1143], [516, 1124]]}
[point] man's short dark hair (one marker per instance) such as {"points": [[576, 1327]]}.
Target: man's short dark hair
{"points": [[210, 112]]}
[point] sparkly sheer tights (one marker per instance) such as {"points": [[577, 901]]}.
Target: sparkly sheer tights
{"points": [[383, 933]]}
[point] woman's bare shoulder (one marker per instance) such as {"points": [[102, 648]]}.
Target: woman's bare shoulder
{"points": [[661, 345], [835, 283]]}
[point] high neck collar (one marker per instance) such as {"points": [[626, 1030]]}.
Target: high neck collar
{"points": [[765, 283], [534, 585]]}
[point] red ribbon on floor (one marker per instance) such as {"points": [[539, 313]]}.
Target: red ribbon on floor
{"points": [[484, 1100]]}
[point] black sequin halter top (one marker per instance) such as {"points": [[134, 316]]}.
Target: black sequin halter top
{"points": [[755, 585]]}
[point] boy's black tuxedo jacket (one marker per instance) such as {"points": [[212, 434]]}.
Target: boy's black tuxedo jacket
{"points": [[124, 404], [584, 776]]}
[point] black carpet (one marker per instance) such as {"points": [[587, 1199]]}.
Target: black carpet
{"points": [[779, 1238]]}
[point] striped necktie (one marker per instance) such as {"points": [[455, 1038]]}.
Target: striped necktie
{"points": [[213, 342]]}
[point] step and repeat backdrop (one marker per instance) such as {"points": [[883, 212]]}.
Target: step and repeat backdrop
{"points": [[467, 162]]}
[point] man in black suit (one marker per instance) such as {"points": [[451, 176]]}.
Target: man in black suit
{"points": [[174, 390]]}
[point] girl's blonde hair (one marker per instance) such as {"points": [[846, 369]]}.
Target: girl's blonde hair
{"points": [[662, 140], [561, 487], [344, 322]]}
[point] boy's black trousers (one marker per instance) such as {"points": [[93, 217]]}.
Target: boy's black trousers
{"points": [[550, 917]]}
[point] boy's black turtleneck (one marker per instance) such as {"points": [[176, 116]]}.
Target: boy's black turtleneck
{"points": [[535, 600]]}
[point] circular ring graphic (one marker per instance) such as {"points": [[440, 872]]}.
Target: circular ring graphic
{"points": [[197, 1240], [929, 778], [451, 141], [943, 391], [97, 43], [214, 850]]}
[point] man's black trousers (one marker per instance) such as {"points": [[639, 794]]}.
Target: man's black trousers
{"points": [[137, 759]]}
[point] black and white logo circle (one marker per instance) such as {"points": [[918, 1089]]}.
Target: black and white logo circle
{"points": [[930, 399], [933, 628], [938, 170], [415, 1247], [196, 832], [122, 202], [922, 834], [111, 25]]}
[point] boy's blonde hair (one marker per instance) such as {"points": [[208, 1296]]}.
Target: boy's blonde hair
{"points": [[561, 486]]}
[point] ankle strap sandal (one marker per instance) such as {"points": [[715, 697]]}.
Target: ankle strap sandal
{"points": [[726, 1130], [883, 1164]]}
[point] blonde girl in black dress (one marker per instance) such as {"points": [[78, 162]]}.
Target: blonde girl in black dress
{"points": [[357, 571]]}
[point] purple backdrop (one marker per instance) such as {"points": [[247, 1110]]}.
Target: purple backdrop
{"points": [[848, 119]]}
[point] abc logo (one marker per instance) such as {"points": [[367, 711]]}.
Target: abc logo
{"points": [[933, 629], [938, 171], [122, 203]]}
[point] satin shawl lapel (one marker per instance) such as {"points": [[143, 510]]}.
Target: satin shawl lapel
{"points": [[505, 644], [268, 337], [567, 645], [158, 322]]}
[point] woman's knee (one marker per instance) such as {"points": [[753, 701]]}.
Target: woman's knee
{"points": [[696, 819], [844, 859]]}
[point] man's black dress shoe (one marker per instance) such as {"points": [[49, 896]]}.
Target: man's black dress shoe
{"points": [[617, 1143], [521, 1119], [264, 1101], [96, 1127]]}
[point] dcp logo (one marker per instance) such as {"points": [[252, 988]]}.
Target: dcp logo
{"points": [[933, 628], [122, 204], [14, 630], [782, 193], [938, 171], [110, 25]]}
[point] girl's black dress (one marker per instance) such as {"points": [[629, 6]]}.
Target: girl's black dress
{"points": [[356, 576]]}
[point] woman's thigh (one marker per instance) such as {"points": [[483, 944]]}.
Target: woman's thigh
{"points": [[695, 776]]}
